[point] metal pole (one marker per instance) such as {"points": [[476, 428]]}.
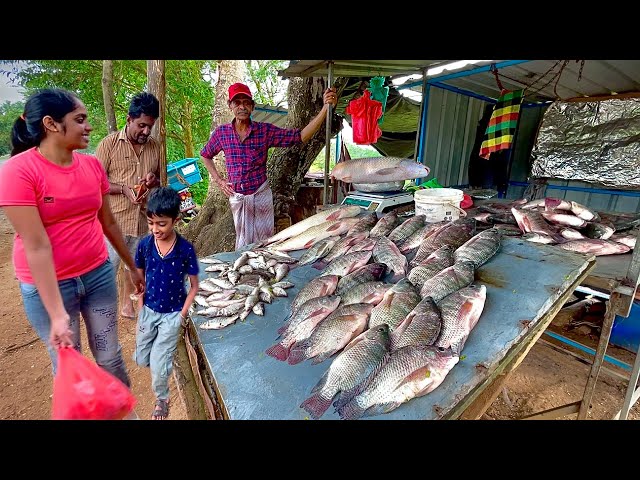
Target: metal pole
{"points": [[327, 141]]}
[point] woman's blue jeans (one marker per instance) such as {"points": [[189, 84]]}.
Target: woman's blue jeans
{"points": [[94, 295]]}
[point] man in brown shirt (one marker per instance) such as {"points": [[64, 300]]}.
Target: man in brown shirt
{"points": [[131, 158]]}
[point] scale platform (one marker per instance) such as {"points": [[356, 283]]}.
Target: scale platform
{"points": [[380, 202]]}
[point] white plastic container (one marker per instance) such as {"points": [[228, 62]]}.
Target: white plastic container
{"points": [[438, 204]]}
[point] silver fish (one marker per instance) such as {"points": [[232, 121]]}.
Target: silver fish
{"points": [[366, 223], [318, 287], [421, 327], [385, 225], [449, 280], [220, 322], [313, 235], [346, 264], [406, 229], [396, 304], [479, 248], [595, 246], [460, 312], [367, 273], [387, 252], [378, 170], [317, 251], [368, 292]]}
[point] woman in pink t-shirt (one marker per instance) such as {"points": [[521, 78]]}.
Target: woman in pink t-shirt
{"points": [[58, 203]]}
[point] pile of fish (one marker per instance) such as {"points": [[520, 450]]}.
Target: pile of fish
{"points": [[393, 304], [568, 224]]}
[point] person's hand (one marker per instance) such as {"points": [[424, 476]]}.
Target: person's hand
{"points": [[184, 318], [151, 180], [130, 194], [60, 334], [330, 96], [137, 280], [225, 187]]}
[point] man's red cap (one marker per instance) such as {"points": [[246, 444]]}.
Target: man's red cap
{"points": [[238, 88]]}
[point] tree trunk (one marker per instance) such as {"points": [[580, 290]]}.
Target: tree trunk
{"points": [[107, 95], [212, 230], [157, 86], [287, 167]]}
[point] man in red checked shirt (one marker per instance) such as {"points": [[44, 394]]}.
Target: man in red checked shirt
{"points": [[245, 144]]}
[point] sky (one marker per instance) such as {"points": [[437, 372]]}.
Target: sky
{"points": [[9, 92]]}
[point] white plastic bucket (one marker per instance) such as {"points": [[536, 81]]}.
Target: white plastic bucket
{"points": [[438, 204]]}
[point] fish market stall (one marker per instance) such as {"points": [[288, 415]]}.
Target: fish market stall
{"points": [[526, 284]]}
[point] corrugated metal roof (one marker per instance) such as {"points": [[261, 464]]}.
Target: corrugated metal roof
{"points": [[357, 68], [269, 114], [595, 78]]}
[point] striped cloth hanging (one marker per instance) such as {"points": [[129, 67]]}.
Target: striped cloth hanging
{"points": [[502, 125]]}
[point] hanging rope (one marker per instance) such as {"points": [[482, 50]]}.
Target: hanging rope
{"points": [[494, 70]]}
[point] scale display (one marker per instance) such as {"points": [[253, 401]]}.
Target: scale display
{"points": [[379, 202]]}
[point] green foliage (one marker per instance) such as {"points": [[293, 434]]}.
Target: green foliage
{"points": [[9, 112], [263, 74], [199, 190]]}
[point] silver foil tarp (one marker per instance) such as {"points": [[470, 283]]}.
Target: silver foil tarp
{"points": [[597, 142]]}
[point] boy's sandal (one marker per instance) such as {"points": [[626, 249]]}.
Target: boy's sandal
{"points": [[161, 411]]}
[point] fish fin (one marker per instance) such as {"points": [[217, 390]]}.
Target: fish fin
{"points": [[380, 408], [277, 351], [297, 353], [321, 383], [386, 171], [316, 405], [397, 276], [322, 357], [350, 411]]}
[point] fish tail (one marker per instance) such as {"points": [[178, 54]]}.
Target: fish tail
{"points": [[320, 264], [278, 351], [297, 354], [316, 405]]}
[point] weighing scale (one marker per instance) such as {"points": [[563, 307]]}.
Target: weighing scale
{"points": [[380, 202]]}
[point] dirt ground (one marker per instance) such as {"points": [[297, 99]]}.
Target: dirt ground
{"points": [[545, 379]]}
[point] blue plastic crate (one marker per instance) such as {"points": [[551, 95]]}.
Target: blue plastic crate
{"points": [[183, 173]]}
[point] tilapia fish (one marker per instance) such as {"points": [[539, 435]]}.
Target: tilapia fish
{"points": [[354, 366], [385, 225], [318, 287], [367, 273], [332, 213], [348, 263], [368, 292], [454, 233], [396, 304], [432, 265], [378, 170], [460, 312], [595, 246], [410, 372], [414, 240], [302, 324], [332, 334], [387, 252], [318, 251], [365, 224], [421, 327], [403, 231], [479, 248], [313, 235], [449, 280], [340, 248]]}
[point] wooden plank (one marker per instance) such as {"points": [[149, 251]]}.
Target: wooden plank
{"points": [[186, 383], [556, 412]]}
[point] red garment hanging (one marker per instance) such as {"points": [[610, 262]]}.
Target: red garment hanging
{"points": [[365, 113]]}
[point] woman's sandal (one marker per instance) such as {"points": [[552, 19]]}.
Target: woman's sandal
{"points": [[161, 411]]}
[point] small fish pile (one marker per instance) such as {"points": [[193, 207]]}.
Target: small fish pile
{"points": [[568, 224], [392, 306]]}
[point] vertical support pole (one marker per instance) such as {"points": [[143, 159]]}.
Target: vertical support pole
{"points": [[421, 140], [327, 141], [607, 324], [631, 389]]}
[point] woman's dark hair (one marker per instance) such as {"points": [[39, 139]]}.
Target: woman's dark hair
{"points": [[144, 104], [28, 130], [164, 202]]}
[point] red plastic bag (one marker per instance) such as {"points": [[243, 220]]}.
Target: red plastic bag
{"points": [[84, 391], [365, 113], [467, 202]]}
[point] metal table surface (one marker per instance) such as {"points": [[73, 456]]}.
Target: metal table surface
{"points": [[524, 281]]}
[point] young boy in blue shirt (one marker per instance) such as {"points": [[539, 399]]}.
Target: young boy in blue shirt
{"points": [[164, 258]]}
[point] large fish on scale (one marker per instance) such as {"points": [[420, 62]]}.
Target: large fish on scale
{"points": [[366, 223], [432, 265], [387, 252], [416, 238], [340, 248], [302, 324], [318, 251], [411, 371], [421, 327], [332, 334], [354, 366], [454, 233], [403, 231], [330, 214], [378, 170], [346, 264], [368, 292], [313, 235], [460, 312], [449, 280], [479, 248], [385, 225], [318, 287], [369, 273], [396, 304]]}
